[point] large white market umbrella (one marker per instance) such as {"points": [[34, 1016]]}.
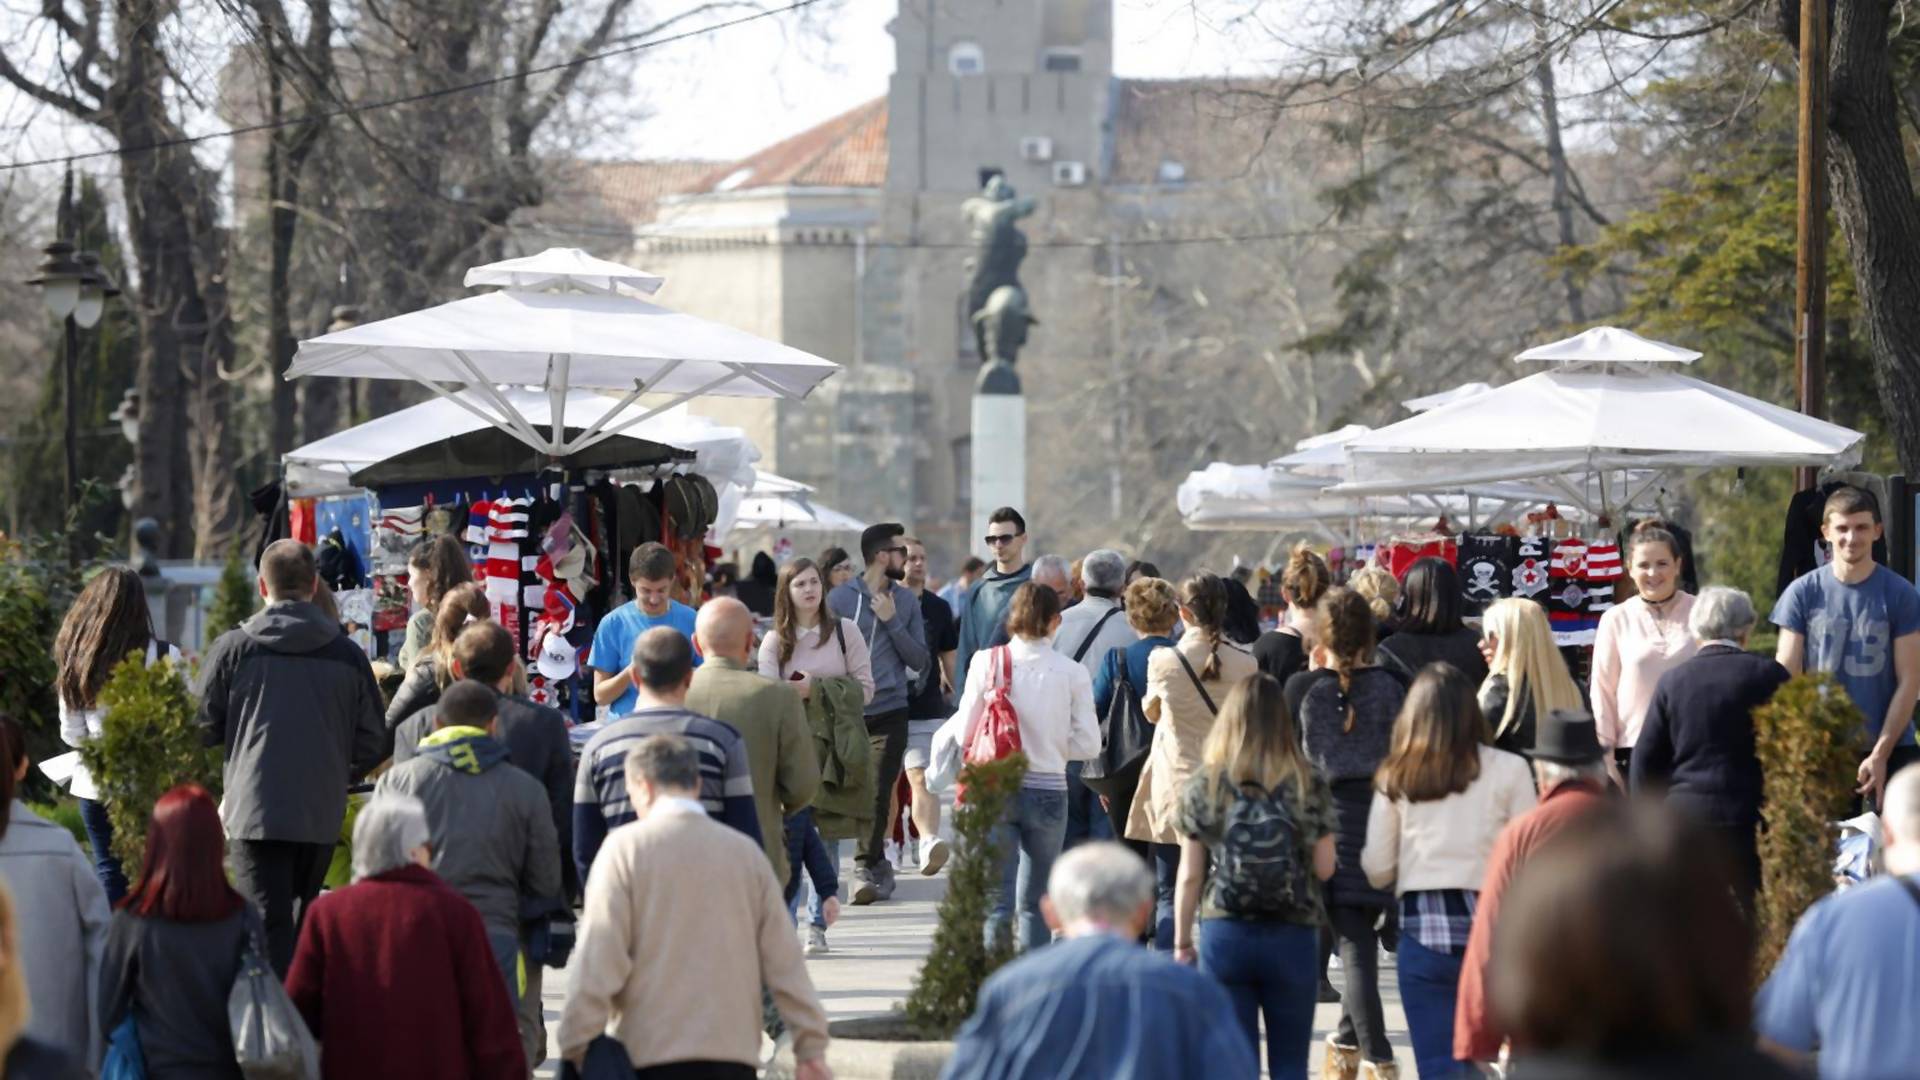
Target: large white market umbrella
{"points": [[559, 340], [1611, 401], [326, 466]]}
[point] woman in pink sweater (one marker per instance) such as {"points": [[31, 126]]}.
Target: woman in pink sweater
{"points": [[808, 643], [1639, 641]]}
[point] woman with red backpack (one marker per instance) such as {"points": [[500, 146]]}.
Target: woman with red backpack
{"points": [[1050, 699]]}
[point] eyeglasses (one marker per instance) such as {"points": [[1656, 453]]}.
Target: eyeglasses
{"points": [[895, 550], [1001, 538]]}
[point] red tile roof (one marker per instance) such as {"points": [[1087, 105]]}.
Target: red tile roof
{"points": [[849, 150]]}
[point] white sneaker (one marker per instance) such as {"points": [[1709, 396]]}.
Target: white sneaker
{"points": [[816, 942], [933, 855]]}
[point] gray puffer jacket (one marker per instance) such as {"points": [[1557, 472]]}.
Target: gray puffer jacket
{"points": [[493, 836], [293, 701]]}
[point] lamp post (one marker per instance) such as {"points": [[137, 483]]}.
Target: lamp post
{"points": [[75, 289]]}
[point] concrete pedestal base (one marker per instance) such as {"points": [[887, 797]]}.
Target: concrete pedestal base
{"points": [[999, 461]]}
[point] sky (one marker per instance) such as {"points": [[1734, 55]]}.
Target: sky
{"points": [[768, 80]]}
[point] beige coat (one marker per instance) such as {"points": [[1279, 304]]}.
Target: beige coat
{"points": [[1181, 721], [683, 925]]}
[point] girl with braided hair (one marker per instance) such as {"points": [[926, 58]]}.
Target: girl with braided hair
{"points": [[1344, 709], [1186, 684]]}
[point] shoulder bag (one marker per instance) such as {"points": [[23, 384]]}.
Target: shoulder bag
{"points": [[270, 1039], [1125, 736]]}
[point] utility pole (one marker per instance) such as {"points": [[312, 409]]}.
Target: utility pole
{"points": [[1810, 291]]}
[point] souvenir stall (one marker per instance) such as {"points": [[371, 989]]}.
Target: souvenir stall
{"points": [[557, 441], [1606, 428]]}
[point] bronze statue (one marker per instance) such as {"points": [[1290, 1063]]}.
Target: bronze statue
{"points": [[996, 303]]}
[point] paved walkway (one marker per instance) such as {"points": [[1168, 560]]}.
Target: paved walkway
{"points": [[877, 951]]}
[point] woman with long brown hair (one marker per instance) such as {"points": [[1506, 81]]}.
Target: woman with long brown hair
{"points": [[107, 623], [1344, 709], [1258, 812], [433, 672], [1440, 799], [1640, 640], [808, 643], [175, 946], [434, 568], [1185, 684]]}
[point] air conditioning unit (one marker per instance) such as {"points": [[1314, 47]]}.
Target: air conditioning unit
{"points": [[1036, 148], [1069, 174]]}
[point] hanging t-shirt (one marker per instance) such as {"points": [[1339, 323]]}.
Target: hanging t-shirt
{"points": [[1486, 567], [1530, 569], [1850, 632]]}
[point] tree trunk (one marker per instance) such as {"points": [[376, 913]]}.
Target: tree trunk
{"points": [[1557, 168], [1874, 200], [283, 187]]}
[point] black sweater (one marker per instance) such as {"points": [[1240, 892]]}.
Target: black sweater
{"points": [[1407, 652], [1348, 760], [1697, 742], [177, 976]]}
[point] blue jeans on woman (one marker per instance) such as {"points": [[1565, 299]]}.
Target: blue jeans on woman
{"points": [[1268, 968], [1166, 875], [1429, 985], [1035, 826], [818, 859], [106, 865]]}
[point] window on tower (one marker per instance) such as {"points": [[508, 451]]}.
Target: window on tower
{"points": [[1060, 58], [965, 58]]}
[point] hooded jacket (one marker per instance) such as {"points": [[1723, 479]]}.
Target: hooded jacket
{"points": [[895, 646], [493, 836], [986, 606], [294, 703]]}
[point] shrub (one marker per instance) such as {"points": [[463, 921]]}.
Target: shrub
{"points": [[1809, 742], [148, 743], [235, 598], [949, 982]]}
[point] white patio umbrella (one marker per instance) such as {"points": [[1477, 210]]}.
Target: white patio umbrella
{"points": [[1611, 402], [326, 466], [792, 513], [567, 337], [563, 270]]}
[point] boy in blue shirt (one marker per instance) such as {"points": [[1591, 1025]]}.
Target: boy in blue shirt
{"points": [[651, 568], [1859, 622]]}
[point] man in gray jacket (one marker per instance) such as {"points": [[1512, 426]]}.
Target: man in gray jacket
{"points": [[493, 836], [888, 615], [1089, 630], [293, 702]]}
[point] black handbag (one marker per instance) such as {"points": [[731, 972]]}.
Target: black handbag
{"points": [[1125, 738]]}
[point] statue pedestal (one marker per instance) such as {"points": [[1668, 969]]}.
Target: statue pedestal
{"points": [[999, 450]]}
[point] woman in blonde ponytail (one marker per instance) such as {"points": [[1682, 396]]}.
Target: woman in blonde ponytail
{"points": [[1185, 686], [1344, 709], [1282, 652]]}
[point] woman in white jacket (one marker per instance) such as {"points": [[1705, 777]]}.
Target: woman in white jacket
{"points": [[107, 623], [1053, 697], [1440, 799]]}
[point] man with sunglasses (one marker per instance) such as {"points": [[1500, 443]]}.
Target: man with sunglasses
{"points": [[1007, 539], [888, 616]]}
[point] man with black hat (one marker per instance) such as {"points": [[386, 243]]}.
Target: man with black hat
{"points": [[1569, 765]]}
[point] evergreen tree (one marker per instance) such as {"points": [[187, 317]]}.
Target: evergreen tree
{"points": [[235, 598]]}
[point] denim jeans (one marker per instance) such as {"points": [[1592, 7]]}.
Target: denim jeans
{"points": [[1035, 826], [1166, 872], [1267, 968], [807, 886], [1429, 984], [106, 866], [1086, 818]]}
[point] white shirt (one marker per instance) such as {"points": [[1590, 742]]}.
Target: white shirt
{"points": [[1053, 697], [79, 725]]}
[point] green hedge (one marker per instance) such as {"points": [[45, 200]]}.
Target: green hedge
{"points": [[148, 743], [1809, 741]]}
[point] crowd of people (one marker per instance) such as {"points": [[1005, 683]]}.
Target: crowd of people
{"points": [[1208, 813]]}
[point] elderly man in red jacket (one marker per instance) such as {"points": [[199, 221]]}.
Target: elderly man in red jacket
{"points": [[394, 974], [1569, 764]]}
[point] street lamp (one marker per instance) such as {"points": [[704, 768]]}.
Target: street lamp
{"points": [[75, 289]]}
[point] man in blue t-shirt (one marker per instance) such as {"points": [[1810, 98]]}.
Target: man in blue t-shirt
{"points": [[651, 569], [1859, 622], [1846, 985]]}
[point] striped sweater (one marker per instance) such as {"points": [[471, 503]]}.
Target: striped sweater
{"points": [[600, 802]]}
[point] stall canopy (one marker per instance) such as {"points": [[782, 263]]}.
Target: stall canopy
{"points": [[387, 449], [580, 330], [777, 504], [1610, 401]]}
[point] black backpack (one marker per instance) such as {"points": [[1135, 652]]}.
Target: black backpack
{"points": [[1257, 869]]}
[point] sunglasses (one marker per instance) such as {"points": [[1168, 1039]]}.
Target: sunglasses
{"points": [[1001, 538], [895, 550]]}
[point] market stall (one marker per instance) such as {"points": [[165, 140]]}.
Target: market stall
{"points": [[557, 441]]}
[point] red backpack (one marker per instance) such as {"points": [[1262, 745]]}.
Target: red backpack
{"points": [[996, 733]]}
